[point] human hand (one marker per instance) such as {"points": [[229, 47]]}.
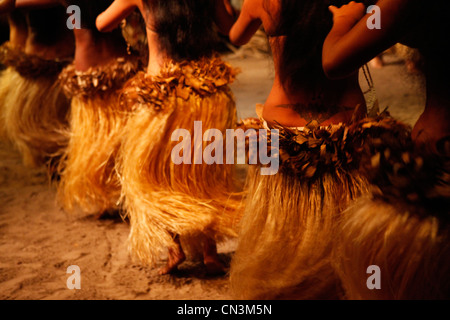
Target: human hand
{"points": [[350, 13], [6, 5], [37, 4], [111, 18]]}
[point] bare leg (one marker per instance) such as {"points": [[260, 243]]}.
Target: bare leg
{"points": [[176, 257], [211, 259]]}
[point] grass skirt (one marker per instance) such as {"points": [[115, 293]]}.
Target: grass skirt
{"points": [[403, 227], [7, 80], [163, 199], [411, 251], [33, 106], [288, 229], [97, 120], [285, 239], [35, 118]]}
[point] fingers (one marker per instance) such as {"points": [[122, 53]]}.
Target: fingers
{"points": [[352, 10], [333, 9], [351, 5]]}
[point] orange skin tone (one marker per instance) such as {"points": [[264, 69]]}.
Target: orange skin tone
{"points": [[18, 29], [7, 5], [109, 20], [120, 9], [90, 51], [350, 44], [343, 92]]}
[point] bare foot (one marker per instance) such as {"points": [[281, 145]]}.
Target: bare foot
{"points": [[211, 259], [214, 267], [176, 257]]}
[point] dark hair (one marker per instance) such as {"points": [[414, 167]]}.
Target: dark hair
{"points": [[4, 29], [48, 25], [305, 23], [185, 27]]}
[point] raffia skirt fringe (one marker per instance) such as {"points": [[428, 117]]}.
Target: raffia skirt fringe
{"points": [[163, 199], [402, 228], [411, 252], [286, 235], [34, 116], [88, 177], [289, 231], [6, 78]]}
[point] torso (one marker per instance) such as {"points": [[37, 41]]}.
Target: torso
{"points": [[156, 57], [92, 51], [433, 42], [48, 35], [337, 102], [18, 29]]}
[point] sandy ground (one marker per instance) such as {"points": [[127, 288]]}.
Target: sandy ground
{"points": [[38, 241]]}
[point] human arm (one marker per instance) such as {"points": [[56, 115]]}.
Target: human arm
{"points": [[224, 15], [248, 22], [120, 9], [37, 4], [350, 43], [6, 6]]}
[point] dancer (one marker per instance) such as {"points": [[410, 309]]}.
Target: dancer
{"points": [[344, 52], [34, 109], [287, 232], [169, 204], [18, 32], [101, 67], [403, 226]]}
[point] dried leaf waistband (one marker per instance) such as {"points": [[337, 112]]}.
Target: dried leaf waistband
{"points": [[202, 78], [314, 150], [408, 175], [381, 149], [100, 80], [28, 65]]}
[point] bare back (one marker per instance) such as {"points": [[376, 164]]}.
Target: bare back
{"points": [[18, 29], [334, 101], [48, 35], [415, 23]]}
